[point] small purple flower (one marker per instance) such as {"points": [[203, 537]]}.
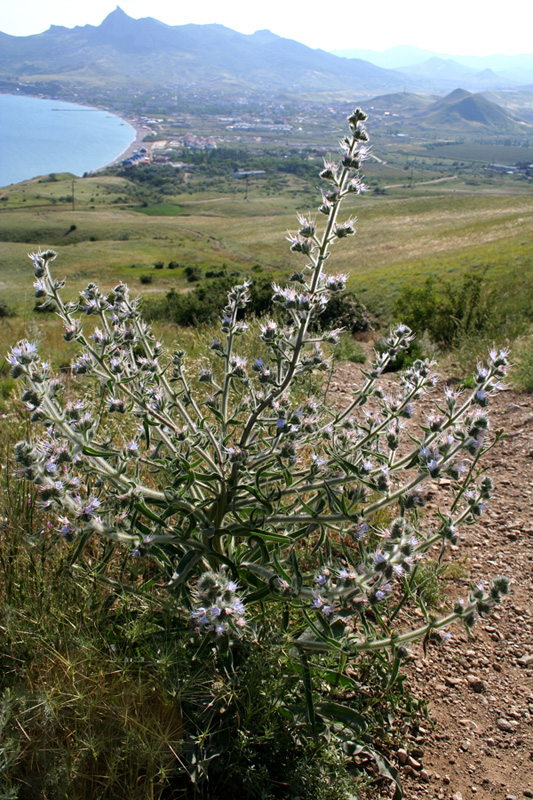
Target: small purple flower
{"points": [[87, 511], [361, 530], [238, 608], [481, 398], [199, 614], [344, 574]]}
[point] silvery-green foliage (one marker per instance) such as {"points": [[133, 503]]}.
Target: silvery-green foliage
{"points": [[242, 496]]}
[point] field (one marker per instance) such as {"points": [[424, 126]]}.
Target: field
{"points": [[403, 237]]}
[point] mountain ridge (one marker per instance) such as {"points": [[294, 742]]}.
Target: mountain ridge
{"points": [[153, 53]]}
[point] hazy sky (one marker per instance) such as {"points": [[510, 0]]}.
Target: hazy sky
{"points": [[458, 27]]}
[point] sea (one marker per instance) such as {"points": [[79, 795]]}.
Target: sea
{"points": [[42, 136]]}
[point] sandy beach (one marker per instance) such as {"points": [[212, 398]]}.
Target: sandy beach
{"points": [[140, 131]]}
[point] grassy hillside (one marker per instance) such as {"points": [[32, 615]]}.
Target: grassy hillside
{"points": [[403, 238]]}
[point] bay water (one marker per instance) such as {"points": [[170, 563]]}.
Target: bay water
{"points": [[42, 136]]}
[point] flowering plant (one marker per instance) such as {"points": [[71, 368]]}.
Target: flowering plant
{"points": [[247, 499]]}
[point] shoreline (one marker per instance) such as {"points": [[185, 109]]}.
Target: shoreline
{"points": [[140, 133], [138, 127]]}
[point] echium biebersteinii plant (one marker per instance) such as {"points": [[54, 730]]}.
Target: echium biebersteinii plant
{"points": [[243, 497]]}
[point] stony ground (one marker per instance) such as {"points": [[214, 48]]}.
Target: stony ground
{"points": [[478, 742]]}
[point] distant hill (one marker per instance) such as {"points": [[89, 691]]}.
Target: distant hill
{"points": [[519, 103], [393, 58], [123, 51], [466, 111], [442, 74], [405, 58], [460, 111]]}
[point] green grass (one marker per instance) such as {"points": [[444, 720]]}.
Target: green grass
{"points": [[485, 153], [522, 375], [162, 210]]}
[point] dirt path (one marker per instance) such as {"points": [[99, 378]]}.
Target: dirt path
{"points": [[420, 183], [479, 741]]}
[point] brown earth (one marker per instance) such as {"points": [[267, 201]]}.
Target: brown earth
{"points": [[478, 741]]}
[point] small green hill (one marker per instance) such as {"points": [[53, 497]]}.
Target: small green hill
{"points": [[467, 112]]}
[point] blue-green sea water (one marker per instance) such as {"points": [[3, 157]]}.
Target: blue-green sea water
{"points": [[42, 136]]}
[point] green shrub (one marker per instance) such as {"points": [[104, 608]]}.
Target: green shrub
{"points": [[345, 311], [193, 274], [447, 310]]}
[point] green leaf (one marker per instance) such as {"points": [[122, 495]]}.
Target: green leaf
{"points": [[98, 452], [308, 693], [339, 679], [184, 568], [84, 538], [335, 712]]}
